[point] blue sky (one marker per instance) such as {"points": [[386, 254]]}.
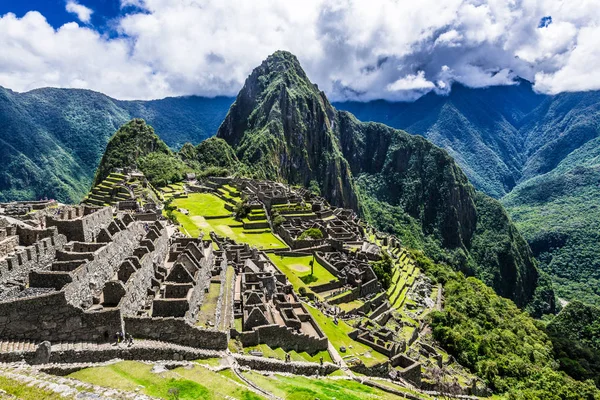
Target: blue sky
{"points": [[56, 13], [354, 50]]}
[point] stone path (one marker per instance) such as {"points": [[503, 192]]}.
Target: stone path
{"points": [[231, 362], [337, 359]]}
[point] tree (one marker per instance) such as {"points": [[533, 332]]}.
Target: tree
{"points": [[311, 233]]}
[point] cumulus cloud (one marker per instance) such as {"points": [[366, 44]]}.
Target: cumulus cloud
{"points": [[396, 50], [83, 13]]}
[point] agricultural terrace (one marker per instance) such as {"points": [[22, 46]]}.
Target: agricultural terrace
{"points": [[338, 336], [186, 383], [305, 388], [279, 354], [298, 271], [207, 212]]}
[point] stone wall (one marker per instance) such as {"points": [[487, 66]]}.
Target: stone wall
{"points": [[92, 276], [81, 223], [38, 256], [280, 336], [327, 265], [137, 284], [293, 367], [51, 317], [176, 330], [136, 352]]}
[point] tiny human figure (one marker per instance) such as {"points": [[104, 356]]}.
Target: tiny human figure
{"points": [[287, 357], [321, 360], [129, 339], [118, 337]]}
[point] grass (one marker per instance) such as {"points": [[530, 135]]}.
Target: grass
{"points": [[351, 305], [21, 391], [226, 303], [211, 362], [204, 204], [304, 388], [297, 270], [338, 336], [208, 309], [193, 383], [201, 205], [279, 354]]}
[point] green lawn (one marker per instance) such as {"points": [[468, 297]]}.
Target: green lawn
{"points": [[204, 204], [21, 391], [298, 272], [305, 388], [194, 383], [338, 336], [208, 309], [201, 205], [351, 305], [279, 354]]}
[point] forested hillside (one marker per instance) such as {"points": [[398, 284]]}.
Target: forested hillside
{"points": [[538, 153], [51, 140], [282, 127]]}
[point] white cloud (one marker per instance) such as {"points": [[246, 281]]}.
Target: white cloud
{"points": [[353, 49], [83, 13], [411, 82]]}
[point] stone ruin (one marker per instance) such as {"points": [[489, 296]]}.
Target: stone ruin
{"points": [[84, 273]]}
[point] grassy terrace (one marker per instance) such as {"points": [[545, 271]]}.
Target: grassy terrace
{"points": [[297, 270], [338, 336], [10, 387], [279, 354], [195, 383], [208, 309], [201, 205], [304, 388]]}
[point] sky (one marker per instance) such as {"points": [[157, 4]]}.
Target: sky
{"points": [[360, 50]]}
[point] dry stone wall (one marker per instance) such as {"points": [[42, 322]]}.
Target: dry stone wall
{"points": [[50, 317], [176, 330], [37, 256], [92, 276]]}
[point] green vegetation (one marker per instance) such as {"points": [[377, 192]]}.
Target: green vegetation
{"points": [[575, 334], [136, 144], [22, 391], [279, 354], [497, 341], [383, 270], [206, 213], [208, 309], [338, 336], [311, 233], [300, 272], [558, 214], [191, 384], [304, 388]]}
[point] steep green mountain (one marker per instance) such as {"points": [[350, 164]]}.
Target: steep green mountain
{"points": [[558, 214], [538, 152], [51, 140], [480, 128], [136, 145], [575, 334], [503, 345], [282, 127]]}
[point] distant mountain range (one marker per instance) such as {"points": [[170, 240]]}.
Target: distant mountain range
{"points": [[538, 154], [51, 140]]}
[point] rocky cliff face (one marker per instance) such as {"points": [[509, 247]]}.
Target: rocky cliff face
{"points": [[282, 127]]}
